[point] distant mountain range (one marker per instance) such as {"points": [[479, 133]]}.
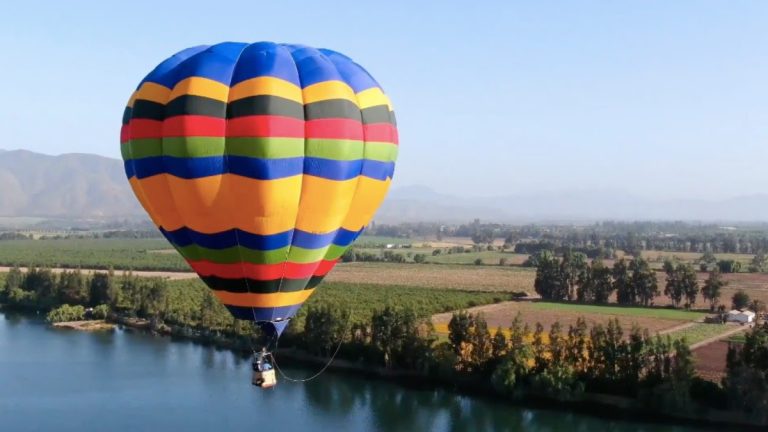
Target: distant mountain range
{"points": [[90, 186], [420, 203], [70, 185]]}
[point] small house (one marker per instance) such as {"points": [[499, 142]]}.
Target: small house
{"points": [[743, 317]]}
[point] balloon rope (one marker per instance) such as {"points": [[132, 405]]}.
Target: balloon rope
{"points": [[333, 357]]}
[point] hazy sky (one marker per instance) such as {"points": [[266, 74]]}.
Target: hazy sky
{"points": [[657, 98]]}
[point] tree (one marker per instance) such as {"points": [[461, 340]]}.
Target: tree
{"points": [[573, 268], [759, 263], [644, 281], [598, 285], [550, 283], [65, 313], [13, 280], [102, 289], [707, 261], [72, 288], [499, 344], [673, 289], [740, 300], [323, 329], [419, 258], [622, 283], [689, 283], [712, 288], [729, 266]]}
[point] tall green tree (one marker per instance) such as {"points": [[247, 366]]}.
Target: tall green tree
{"points": [[573, 268], [551, 283], [622, 283], [712, 288], [644, 281]]}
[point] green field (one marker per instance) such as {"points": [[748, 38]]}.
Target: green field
{"points": [[699, 332], [134, 254], [488, 257], [660, 313], [362, 299]]}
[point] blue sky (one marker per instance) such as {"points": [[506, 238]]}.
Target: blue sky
{"points": [[654, 98]]}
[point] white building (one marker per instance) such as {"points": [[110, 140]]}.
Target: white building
{"points": [[743, 317]]}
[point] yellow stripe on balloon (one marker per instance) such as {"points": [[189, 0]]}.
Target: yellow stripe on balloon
{"points": [[218, 203], [373, 97], [368, 197], [200, 86], [254, 300], [265, 86], [328, 90], [153, 92], [324, 203], [131, 100]]}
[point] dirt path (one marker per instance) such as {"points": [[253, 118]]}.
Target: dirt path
{"points": [[162, 274]]}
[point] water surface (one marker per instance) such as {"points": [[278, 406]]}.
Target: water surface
{"points": [[65, 380]]}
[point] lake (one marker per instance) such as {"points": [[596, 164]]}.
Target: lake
{"points": [[65, 380]]}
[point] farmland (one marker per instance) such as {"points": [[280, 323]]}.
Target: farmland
{"points": [[502, 314], [361, 299], [471, 278], [92, 253]]}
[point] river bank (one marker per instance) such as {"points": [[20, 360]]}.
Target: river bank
{"points": [[600, 405], [85, 325], [595, 404]]}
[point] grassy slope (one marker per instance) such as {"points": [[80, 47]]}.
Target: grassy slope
{"points": [[670, 314]]}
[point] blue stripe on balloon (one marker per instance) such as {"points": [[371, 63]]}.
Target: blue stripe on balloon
{"points": [[263, 314], [257, 168], [226, 239]]}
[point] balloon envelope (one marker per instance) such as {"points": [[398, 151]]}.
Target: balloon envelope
{"points": [[261, 163]]}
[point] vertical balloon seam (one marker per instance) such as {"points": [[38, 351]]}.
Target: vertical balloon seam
{"points": [[226, 170], [163, 74], [357, 181], [301, 192], [163, 160]]}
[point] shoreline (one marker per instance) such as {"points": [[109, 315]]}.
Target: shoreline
{"points": [[85, 325]]}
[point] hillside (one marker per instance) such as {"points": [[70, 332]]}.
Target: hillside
{"points": [[69, 185]]}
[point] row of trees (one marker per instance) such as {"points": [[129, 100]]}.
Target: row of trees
{"points": [[560, 363], [571, 277]]}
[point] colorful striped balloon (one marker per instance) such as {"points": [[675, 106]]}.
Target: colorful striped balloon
{"points": [[261, 163]]}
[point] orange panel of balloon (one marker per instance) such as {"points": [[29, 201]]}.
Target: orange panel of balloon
{"points": [[260, 163]]}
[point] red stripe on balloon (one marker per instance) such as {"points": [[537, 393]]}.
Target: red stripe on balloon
{"points": [[262, 272], [381, 132], [334, 128], [194, 125], [325, 267], [259, 126], [141, 128]]}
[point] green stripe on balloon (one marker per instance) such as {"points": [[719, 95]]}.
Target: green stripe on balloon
{"points": [[264, 148]]}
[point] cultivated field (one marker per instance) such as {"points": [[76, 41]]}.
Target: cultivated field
{"points": [[502, 314], [463, 277]]}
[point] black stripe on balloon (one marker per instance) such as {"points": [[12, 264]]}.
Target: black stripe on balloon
{"points": [[377, 114], [265, 105], [127, 113], [255, 286], [332, 108], [314, 281], [144, 109], [196, 105]]}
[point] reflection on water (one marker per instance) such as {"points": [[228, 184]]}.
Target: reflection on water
{"points": [[66, 380]]}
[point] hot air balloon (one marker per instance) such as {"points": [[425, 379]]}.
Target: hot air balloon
{"points": [[260, 163]]}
